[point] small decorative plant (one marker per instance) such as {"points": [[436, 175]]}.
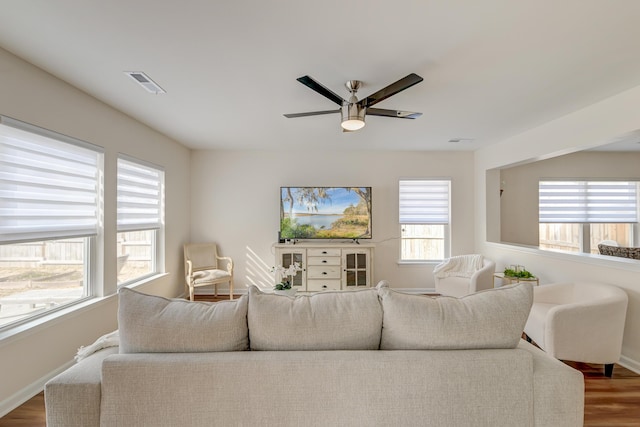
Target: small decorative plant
{"points": [[519, 272], [285, 275]]}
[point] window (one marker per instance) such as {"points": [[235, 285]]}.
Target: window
{"points": [[50, 187], [140, 219], [424, 219], [577, 215]]}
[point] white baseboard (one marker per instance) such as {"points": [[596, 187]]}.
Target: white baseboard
{"points": [[630, 364], [18, 398]]}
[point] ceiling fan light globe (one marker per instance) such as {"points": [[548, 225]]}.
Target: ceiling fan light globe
{"points": [[351, 125], [352, 117]]}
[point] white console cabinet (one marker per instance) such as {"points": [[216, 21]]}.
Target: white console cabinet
{"points": [[328, 266]]}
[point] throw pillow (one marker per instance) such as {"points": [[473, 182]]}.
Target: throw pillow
{"points": [[153, 324], [340, 320], [487, 319]]}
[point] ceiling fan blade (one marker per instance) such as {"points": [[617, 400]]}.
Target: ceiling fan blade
{"points": [[327, 93], [311, 113], [392, 89], [392, 113]]}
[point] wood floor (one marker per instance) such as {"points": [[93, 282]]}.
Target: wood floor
{"points": [[609, 402]]}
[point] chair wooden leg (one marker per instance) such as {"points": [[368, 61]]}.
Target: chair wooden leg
{"points": [[231, 289], [608, 370], [215, 290]]}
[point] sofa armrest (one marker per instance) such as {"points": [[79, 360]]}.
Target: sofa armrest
{"points": [[604, 322], [483, 278], [558, 390], [72, 398], [229, 262]]}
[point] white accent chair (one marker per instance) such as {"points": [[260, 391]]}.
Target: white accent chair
{"points": [[202, 268], [581, 322], [463, 275]]}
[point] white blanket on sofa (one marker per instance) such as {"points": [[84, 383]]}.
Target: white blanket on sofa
{"points": [[460, 266], [109, 340]]}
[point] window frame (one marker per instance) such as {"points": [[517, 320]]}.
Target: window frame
{"points": [[24, 164], [585, 206], [413, 211], [157, 240]]}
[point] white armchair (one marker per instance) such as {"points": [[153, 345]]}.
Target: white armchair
{"points": [[202, 269], [581, 322], [463, 275]]}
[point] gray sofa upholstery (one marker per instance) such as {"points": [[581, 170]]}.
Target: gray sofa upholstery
{"points": [[423, 371]]}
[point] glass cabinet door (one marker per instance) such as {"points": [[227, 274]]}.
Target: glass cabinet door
{"points": [[290, 257], [356, 269]]}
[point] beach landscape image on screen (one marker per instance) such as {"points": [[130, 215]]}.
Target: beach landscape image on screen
{"points": [[325, 212]]}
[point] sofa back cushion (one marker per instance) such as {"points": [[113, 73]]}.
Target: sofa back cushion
{"points": [[487, 319], [342, 320], [152, 324]]}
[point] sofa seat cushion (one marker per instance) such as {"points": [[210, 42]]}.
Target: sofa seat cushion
{"points": [[152, 324], [486, 319], [341, 320], [204, 276]]}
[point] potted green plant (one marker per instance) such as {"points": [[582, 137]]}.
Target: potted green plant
{"points": [[518, 272], [285, 276]]}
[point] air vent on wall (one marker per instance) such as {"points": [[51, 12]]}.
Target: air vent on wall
{"points": [[143, 80]]}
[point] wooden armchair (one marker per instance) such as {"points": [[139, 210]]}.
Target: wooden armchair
{"points": [[202, 268]]}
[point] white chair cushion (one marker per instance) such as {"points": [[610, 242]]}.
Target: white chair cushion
{"points": [[152, 324], [340, 320], [453, 286], [203, 276], [487, 319]]}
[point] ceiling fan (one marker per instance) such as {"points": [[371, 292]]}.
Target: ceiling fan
{"points": [[352, 110]]}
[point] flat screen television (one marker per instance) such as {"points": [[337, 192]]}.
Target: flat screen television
{"points": [[325, 212]]}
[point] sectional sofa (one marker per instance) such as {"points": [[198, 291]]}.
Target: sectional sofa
{"points": [[374, 357]]}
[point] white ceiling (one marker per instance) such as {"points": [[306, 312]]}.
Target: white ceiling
{"points": [[491, 68]]}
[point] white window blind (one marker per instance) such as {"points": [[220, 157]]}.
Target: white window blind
{"points": [[140, 194], [424, 201], [588, 202], [49, 184]]}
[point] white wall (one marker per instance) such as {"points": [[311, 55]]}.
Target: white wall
{"points": [[236, 202], [595, 125], [31, 95]]}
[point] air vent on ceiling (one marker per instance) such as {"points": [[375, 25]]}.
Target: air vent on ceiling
{"points": [[143, 80], [461, 140]]}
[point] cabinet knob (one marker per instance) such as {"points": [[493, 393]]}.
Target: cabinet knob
{"points": [[324, 261], [324, 252], [324, 286], [324, 272]]}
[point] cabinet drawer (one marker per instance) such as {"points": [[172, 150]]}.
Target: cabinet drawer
{"points": [[321, 271], [316, 285], [323, 252], [325, 260]]}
